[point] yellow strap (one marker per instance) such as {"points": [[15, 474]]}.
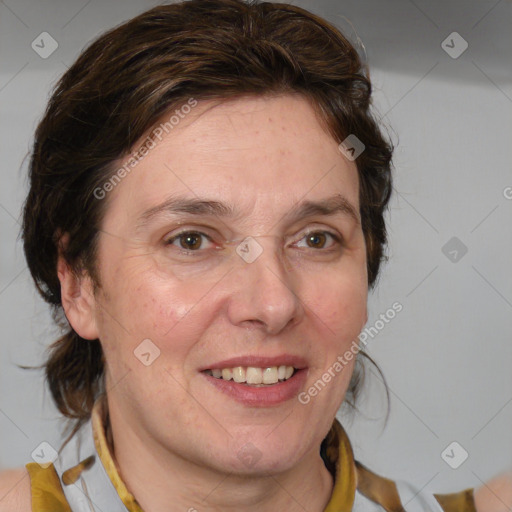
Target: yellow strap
{"points": [[378, 489], [344, 491], [457, 502], [98, 418], [47, 493]]}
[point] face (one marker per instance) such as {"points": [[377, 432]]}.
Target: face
{"points": [[175, 277]]}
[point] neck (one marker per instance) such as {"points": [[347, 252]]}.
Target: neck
{"points": [[145, 468]]}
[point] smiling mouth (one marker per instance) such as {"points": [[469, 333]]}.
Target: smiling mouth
{"points": [[252, 375]]}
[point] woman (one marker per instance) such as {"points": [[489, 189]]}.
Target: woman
{"points": [[206, 209]]}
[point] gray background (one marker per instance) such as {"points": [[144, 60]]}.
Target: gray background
{"points": [[447, 356]]}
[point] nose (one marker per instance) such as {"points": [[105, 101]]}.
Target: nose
{"points": [[265, 292]]}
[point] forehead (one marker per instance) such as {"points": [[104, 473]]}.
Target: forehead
{"points": [[265, 152]]}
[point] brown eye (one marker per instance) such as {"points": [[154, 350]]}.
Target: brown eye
{"points": [[319, 240], [188, 240], [316, 240]]}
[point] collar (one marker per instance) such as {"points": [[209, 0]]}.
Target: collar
{"points": [[99, 420]]}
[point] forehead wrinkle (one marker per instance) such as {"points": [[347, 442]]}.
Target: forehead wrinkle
{"points": [[324, 207], [191, 206], [329, 206]]}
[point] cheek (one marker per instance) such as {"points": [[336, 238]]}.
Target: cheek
{"points": [[145, 305], [340, 302], [142, 300]]}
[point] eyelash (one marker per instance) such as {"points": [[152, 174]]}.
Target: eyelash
{"points": [[337, 239]]}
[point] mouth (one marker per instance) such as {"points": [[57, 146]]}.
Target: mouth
{"points": [[252, 375], [258, 381]]}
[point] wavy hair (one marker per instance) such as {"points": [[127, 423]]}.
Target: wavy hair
{"points": [[117, 90]]}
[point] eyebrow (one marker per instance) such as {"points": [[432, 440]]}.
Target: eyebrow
{"points": [[203, 207]]}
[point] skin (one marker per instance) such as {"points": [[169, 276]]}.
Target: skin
{"points": [[167, 419], [495, 495]]}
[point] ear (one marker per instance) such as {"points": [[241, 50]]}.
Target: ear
{"points": [[77, 298]]}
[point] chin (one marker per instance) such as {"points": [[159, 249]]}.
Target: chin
{"points": [[256, 464], [261, 456]]}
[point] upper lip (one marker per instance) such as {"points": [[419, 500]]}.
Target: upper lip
{"points": [[259, 362]]}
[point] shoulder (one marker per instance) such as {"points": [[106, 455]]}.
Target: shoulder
{"points": [[495, 495], [15, 493]]}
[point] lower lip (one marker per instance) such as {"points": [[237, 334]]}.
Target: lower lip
{"points": [[263, 396]]}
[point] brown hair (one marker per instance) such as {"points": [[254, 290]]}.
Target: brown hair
{"points": [[125, 81]]}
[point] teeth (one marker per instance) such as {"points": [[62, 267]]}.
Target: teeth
{"points": [[254, 376], [270, 375], [227, 374], [239, 374]]}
